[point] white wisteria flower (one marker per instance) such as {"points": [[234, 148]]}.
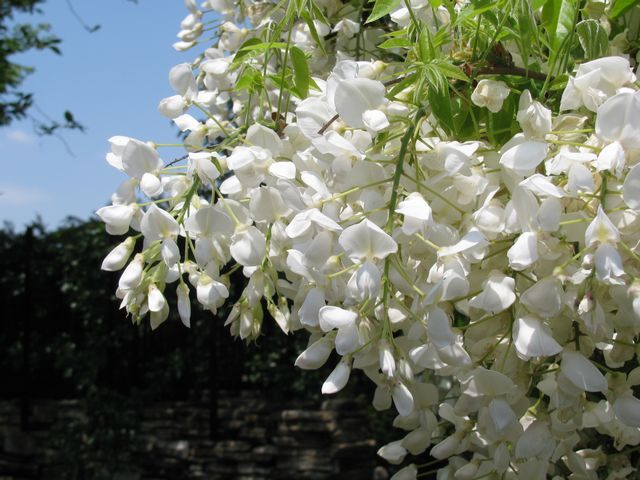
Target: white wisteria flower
{"points": [[364, 171]]}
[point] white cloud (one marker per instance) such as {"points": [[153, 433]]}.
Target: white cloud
{"points": [[19, 136], [19, 196]]}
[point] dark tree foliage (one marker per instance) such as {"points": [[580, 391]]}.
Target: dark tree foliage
{"points": [[63, 336], [14, 39]]}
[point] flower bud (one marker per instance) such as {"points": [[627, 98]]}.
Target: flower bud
{"points": [[117, 258], [184, 304], [410, 472], [155, 299], [393, 452], [132, 274]]}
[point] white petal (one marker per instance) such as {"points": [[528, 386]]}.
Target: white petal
{"points": [[580, 180], [535, 440], [248, 247], [157, 318], [542, 186], [157, 224], [309, 311], [117, 258], [617, 120], [182, 80], [415, 206], [139, 158], [117, 218], [132, 275], [393, 452], [375, 120], [355, 96], [410, 472], [498, 294], [627, 408], [402, 399], [611, 158], [608, 264], [156, 299], [209, 221], [631, 188], [337, 379], [261, 136], [170, 252], [312, 115], [482, 382], [524, 157], [473, 240], [438, 328], [347, 339], [284, 170], [601, 230], [268, 205], [315, 355], [184, 304], [172, 107], [524, 251], [549, 214], [150, 185], [582, 373], [366, 241], [331, 317], [544, 297], [533, 339]]}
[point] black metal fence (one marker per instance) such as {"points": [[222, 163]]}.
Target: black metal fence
{"points": [[63, 335]]}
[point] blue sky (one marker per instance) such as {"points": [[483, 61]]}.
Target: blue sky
{"points": [[112, 81]]}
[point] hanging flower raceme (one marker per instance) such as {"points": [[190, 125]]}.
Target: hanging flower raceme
{"points": [[457, 220]]}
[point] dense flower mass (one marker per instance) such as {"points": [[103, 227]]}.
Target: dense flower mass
{"points": [[445, 193]]}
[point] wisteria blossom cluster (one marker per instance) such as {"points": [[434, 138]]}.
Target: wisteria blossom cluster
{"points": [[445, 193]]}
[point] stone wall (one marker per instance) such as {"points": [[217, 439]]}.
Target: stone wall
{"points": [[256, 439]]}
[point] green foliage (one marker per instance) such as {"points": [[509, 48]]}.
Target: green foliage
{"points": [[622, 6], [301, 76], [15, 39], [593, 39], [382, 8]]}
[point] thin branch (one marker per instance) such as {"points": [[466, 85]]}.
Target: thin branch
{"points": [[328, 124], [516, 71], [77, 16]]}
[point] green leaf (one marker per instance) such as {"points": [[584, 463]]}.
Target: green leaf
{"points": [[440, 102], [558, 18], [451, 71], [253, 47], [501, 126], [250, 79], [474, 9], [312, 29], [300, 71], [621, 6], [402, 84], [396, 43], [244, 48], [382, 8], [427, 51], [536, 4], [593, 39]]}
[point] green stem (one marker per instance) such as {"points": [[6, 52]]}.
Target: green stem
{"points": [[404, 145]]}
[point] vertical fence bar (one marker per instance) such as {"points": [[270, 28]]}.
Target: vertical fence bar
{"points": [[25, 400], [213, 380]]}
